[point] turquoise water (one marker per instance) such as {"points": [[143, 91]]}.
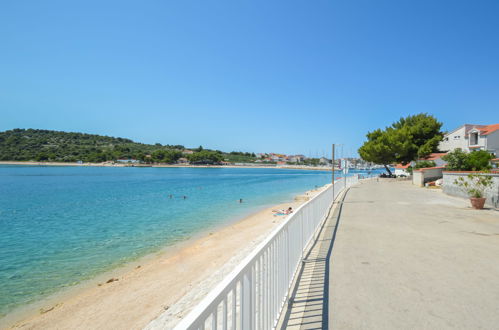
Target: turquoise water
{"points": [[62, 225]]}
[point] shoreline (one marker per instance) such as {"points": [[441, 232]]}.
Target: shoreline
{"points": [[162, 269], [64, 164]]}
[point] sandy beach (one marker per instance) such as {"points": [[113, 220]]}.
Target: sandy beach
{"points": [[169, 283]]}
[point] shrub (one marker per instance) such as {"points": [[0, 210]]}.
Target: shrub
{"points": [[424, 164], [474, 184], [459, 160], [456, 160], [479, 160]]}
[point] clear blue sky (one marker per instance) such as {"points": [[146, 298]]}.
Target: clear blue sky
{"points": [[283, 76]]}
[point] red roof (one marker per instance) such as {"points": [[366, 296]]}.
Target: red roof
{"points": [[435, 155], [402, 166], [485, 130], [428, 168]]}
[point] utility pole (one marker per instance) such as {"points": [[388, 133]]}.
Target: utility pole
{"points": [[332, 164]]}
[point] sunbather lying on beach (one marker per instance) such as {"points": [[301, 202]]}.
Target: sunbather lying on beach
{"points": [[282, 212]]}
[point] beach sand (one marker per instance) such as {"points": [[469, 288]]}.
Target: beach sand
{"points": [[167, 285]]}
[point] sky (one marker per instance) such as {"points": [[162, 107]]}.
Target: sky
{"points": [[260, 76]]}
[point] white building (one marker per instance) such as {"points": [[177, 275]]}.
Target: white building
{"points": [[296, 158], [472, 137], [128, 161], [401, 170], [324, 161]]}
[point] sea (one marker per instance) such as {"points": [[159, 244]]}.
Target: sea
{"points": [[60, 226]]}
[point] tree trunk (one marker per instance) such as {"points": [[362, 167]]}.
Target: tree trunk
{"points": [[388, 169]]}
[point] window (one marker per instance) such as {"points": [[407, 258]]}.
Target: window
{"points": [[473, 138], [456, 137]]}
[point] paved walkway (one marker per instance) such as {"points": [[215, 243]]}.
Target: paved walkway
{"points": [[412, 258], [308, 307], [405, 257]]}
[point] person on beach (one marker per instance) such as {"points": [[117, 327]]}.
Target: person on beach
{"points": [[283, 212]]}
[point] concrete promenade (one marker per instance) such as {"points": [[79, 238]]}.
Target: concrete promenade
{"points": [[412, 258], [402, 257]]}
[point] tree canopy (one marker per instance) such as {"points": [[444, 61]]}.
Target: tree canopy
{"points": [[406, 140], [205, 157], [459, 160]]}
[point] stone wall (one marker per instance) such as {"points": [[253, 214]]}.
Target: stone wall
{"points": [[424, 175], [417, 178], [450, 188]]}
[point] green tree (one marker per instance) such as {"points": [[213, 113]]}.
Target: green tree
{"points": [[479, 160], [459, 160], [166, 156], [41, 157], [425, 134], [424, 164], [456, 160], [205, 157], [408, 139], [386, 147]]}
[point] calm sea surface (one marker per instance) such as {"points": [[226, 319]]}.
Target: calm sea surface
{"points": [[62, 225]]}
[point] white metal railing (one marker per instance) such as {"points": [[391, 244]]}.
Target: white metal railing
{"points": [[253, 295]]}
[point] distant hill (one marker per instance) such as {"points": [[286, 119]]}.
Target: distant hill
{"points": [[55, 146], [46, 145]]}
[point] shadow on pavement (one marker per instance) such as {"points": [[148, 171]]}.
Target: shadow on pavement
{"points": [[309, 304]]}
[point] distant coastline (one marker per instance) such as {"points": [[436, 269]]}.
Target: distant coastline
{"points": [[108, 164]]}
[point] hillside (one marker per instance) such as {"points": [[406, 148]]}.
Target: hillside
{"points": [[55, 146], [46, 145]]}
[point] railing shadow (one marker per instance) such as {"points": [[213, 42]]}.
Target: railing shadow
{"points": [[308, 307]]}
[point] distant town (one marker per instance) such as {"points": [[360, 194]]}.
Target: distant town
{"points": [[270, 159]]}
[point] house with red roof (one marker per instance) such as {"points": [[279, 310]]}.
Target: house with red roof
{"points": [[437, 158], [401, 170], [470, 137]]}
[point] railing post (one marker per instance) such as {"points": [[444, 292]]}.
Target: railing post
{"points": [[224, 314], [288, 256], [246, 304]]}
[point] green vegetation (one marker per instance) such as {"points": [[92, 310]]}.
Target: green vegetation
{"points": [[45, 145], [459, 160], [166, 156], [55, 146], [424, 164], [206, 157], [421, 164], [408, 139], [311, 162], [240, 157]]}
